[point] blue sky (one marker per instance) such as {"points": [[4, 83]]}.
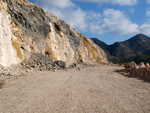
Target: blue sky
{"points": [[107, 20]]}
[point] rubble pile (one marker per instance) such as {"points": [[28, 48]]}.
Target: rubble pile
{"points": [[141, 71], [14, 70], [36, 62], [41, 62]]}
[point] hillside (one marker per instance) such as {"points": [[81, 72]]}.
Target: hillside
{"points": [[135, 48], [27, 29], [100, 43], [139, 44]]}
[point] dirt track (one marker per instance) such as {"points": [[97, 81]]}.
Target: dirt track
{"points": [[90, 90]]}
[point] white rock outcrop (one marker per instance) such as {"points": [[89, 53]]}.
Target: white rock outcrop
{"points": [[8, 52]]}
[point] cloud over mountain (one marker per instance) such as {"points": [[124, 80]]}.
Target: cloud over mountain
{"points": [[118, 2], [116, 22]]}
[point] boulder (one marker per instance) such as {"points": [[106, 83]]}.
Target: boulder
{"points": [[147, 65], [61, 63], [127, 65], [142, 65], [133, 65]]}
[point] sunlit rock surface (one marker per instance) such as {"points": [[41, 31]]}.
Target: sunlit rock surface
{"points": [[25, 29], [9, 48]]}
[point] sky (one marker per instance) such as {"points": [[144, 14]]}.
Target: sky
{"points": [[107, 20]]}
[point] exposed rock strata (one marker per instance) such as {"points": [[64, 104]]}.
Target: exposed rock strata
{"points": [[26, 29]]}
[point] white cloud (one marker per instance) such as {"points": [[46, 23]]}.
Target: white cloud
{"points": [[132, 10], [148, 1], [55, 3], [118, 2], [77, 19], [148, 13], [145, 28], [115, 22], [69, 12], [66, 10], [111, 21], [91, 15]]}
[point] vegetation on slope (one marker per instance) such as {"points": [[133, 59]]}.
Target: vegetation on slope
{"points": [[135, 49]]}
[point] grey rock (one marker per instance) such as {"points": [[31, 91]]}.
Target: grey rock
{"points": [[61, 63]]}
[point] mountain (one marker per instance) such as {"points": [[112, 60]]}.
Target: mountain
{"points": [[118, 49], [27, 29], [100, 43], [136, 46]]}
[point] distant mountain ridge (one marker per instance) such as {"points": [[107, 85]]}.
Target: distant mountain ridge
{"points": [[135, 46], [99, 42]]}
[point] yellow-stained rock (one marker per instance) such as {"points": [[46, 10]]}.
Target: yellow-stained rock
{"points": [[4, 6], [17, 47], [59, 47], [33, 30]]}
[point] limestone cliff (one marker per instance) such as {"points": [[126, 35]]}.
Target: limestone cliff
{"points": [[25, 29]]}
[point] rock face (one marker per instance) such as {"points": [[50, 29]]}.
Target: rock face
{"points": [[26, 29], [8, 42]]}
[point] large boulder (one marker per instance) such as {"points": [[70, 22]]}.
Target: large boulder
{"points": [[61, 63], [142, 65], [133, 65]]}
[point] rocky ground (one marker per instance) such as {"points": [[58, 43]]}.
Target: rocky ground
{"points": [[98, 89], [140, 71], [37, 62]]}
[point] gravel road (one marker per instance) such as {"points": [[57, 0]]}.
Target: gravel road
{"points": [[90, 90]]}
